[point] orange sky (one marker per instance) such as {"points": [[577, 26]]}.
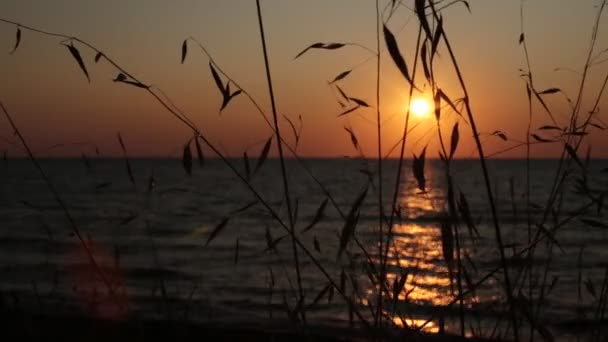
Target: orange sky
{"points": [[54, 105]]}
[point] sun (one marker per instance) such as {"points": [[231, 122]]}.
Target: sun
{"points": [[420, 107]]}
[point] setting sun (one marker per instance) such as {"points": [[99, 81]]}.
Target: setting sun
{"points": [[420, 107]]}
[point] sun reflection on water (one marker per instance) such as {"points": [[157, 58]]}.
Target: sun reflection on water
{"points": [[424, 325], [416, 249]]}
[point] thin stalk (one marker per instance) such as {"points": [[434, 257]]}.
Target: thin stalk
{"points": [[488, 186], [378, 316], [530, 255], [587, 65], [282, 159], [401, 157]]}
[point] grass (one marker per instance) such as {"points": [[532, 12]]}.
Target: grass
{"points": [[523, 273]]}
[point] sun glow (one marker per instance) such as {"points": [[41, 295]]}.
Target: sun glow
{"points": [[420, 107]]}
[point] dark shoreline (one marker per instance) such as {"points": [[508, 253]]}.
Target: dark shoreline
{"points": [[20, 325]]}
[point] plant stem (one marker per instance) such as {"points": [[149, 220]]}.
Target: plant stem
{"points": [[530, 256], [396, 191], [378, 317], [282, 161], [488, 186]]}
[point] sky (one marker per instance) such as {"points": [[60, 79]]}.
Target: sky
{"points": [[61, 114]]}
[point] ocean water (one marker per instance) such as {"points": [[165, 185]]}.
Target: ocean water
{"points": [[150, 240]]}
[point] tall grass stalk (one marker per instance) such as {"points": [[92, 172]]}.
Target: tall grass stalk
{"points": [[399, 172], [282, 161], [486, 177], [378, 317], [528, 188]]}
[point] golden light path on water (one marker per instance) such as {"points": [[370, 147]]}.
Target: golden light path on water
{"points": [[417, 249]]}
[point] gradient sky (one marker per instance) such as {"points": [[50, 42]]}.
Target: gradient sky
{"points": [[61, 114]]}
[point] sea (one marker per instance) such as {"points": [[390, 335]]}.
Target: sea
{"points": [[207, 246]]}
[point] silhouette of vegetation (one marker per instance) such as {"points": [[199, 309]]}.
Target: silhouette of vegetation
{"points": [[375, 289]]}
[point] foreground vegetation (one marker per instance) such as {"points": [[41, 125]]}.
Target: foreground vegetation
{"points": [[524, 269]]}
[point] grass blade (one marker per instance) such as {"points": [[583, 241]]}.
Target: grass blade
{"points": [[226, 96], [465, 214], [548, 127], [348, 111], [264, 155], [293, 128], [550, 91], [333, 46], [187, 158], [218, 80], [98, 56], [425, 65], [17, 40], [447, 242], [76, 54], [271, 243], [236, 93], [342, 93], [318, 216], [217, 229], [353, 137], [398, 286], [312, 46], [359, 102], [541, 139], [246, 162], [328, 46], [122, 78], [420, 12], [542, 102], [573, 155], [454, 140], [236, 251], [351, 222], [316, 244], [393, 50], [199, 152], [449, 101], [418, 169], [447, 247], [437, 105], [340, 76], [243, 208], [128, 163], [184, 50], [436, 38], [320, 295], [500, 134]]}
